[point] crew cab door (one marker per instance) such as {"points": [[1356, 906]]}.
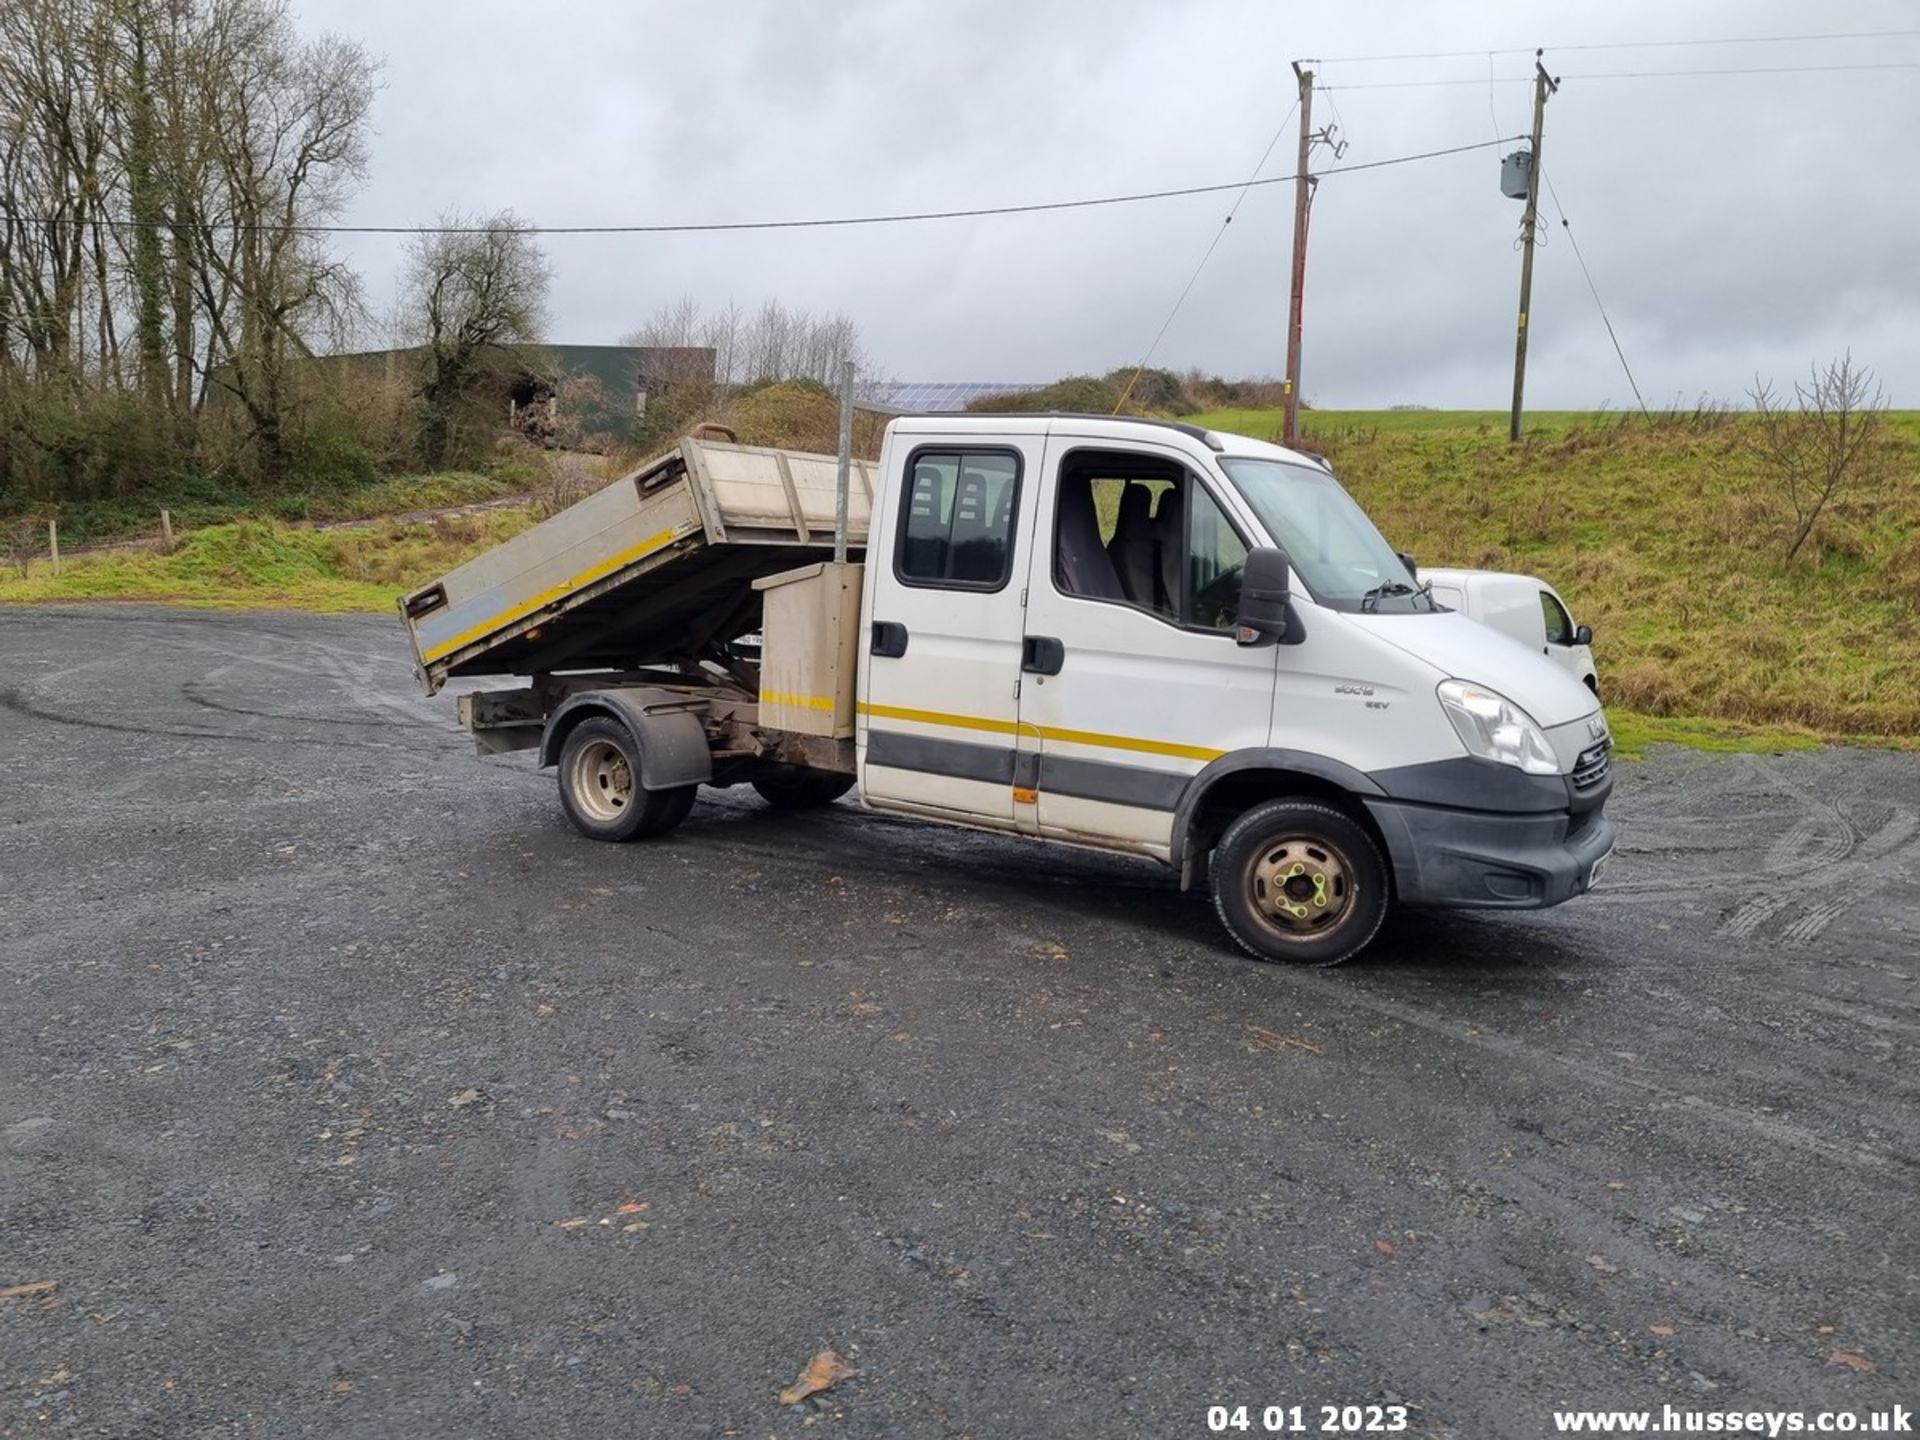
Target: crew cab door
{"points": [[1133, 682], [939, 677]]}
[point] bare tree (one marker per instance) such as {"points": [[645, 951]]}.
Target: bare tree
{"points": [[287, 130], [473, 300], [774, 343], [1819, 442], [162, 164], [53, 146]]}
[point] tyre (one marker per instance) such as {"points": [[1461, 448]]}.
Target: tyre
{"points": [[790, 788], [1300, 882], [600, 785]]}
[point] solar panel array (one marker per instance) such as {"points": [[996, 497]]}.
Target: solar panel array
{"points": [[940, 397]]}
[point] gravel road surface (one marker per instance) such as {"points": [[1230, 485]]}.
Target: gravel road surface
{"points": [[345, 1091]]}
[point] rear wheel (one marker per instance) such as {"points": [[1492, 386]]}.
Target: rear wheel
{"points": [[797, 789], [600, 785], [1299, 881]]}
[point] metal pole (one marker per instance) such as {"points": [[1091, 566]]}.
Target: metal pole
{"points": [[1302, 197], [1543, 85], [844, 478]]}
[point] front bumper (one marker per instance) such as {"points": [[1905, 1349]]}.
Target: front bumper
{"points": [[1447, 856]]}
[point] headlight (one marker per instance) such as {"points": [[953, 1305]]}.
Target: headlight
{"points": [[1494, 728]]}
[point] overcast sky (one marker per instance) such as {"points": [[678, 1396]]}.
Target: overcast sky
{"points": [[1732, 223]]}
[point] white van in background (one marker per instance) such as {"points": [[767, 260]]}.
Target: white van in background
{"points": [[1523, 606]]}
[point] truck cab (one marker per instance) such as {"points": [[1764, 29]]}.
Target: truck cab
{"points": [[1056, 649], [1136, 636]]}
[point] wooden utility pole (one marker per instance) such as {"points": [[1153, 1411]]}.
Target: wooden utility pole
{"points": [[1302, 198], [1543, 86]]}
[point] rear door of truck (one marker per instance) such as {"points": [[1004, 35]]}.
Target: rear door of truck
{"points": [[939, 714]]}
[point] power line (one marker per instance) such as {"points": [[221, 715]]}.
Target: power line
{"points": [[1192, 279], [127, 223], [1567, 227], [1633, 75], [1617, 45]]}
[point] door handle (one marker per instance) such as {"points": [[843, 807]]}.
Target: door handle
{"points": [[889, 639], [1042, 655]]}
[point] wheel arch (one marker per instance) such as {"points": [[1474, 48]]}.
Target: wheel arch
{"points": [[666, 727], [1231, 785]]}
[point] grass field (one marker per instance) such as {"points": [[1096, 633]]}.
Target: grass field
{"points": [[1663, 535], [195, 503], [263, 563]]}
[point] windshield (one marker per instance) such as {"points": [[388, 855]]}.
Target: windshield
{"points": [[1345, 562]]}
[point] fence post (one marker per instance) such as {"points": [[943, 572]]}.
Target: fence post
{"points": [[53, 543], [166, 533]]}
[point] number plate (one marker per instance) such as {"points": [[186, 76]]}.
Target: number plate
{"points": [[1593, 875]]}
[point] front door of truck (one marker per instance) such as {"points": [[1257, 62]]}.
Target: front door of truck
{"points": [[1133, 681], [939, 714]]}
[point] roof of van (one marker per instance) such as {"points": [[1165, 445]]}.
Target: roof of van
{"points": [[1223, 442], [1443, 575]]}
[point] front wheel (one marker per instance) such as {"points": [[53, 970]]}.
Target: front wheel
{"points": [[1300, 882], [600, 785]]}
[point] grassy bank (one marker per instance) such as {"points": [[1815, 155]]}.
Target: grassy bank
{"points": [[196, 502], [1666, 538], [263, 564], [1662, 535]]}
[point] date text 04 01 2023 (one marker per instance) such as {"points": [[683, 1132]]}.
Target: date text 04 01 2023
{"points": [[1307, 1419]]}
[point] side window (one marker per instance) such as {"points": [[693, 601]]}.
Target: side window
{"points": [[1216, 558], [957, 532], [1559, 625], [1141, 531]]}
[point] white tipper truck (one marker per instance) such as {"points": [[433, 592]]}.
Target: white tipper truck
{"points": [[1134, 636]]}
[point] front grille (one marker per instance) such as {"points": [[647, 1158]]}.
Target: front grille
{"points": [[1592, 765]]}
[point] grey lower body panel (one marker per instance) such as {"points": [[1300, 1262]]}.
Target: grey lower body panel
{"points": [[1115, 784], [1480, 858]]}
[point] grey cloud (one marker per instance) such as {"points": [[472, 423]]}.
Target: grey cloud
{"points": [[1732, 224]]}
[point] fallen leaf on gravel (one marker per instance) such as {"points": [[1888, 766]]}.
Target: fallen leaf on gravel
{"points": [[32, 1287], [1275, 1041], [630, 1207], [572, 1222], [343, 1387], [1616, 1184], [1662, 1330], [823, 1372], [1384, 1248], [1851, 1361], [464, 1098], [1603, 1265]]}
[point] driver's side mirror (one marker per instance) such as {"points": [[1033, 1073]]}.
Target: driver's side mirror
{"points": [[1267, 614], [1583, 634]]}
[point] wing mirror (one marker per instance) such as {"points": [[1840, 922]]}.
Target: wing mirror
{"points": [[1267, 612], [1407, 560], [1583, 634]]}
